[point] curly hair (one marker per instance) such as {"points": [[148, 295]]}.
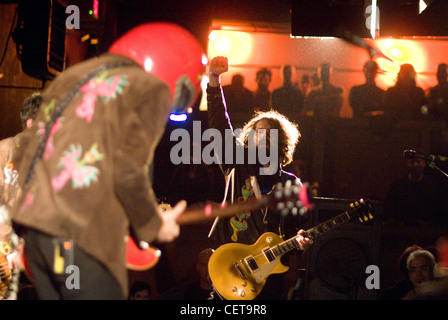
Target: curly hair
{"points": [[30, 107], [288, 133]]}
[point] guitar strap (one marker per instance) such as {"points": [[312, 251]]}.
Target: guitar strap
{"points": [[230, 180]]}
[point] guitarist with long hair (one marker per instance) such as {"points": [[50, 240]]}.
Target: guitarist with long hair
{"points": [[268, 132]]}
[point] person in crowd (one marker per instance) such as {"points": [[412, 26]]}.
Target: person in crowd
{"points": [[239, 100], [140, 290], [9, 188], [419, 197], [8, 146], [438, 95], [404, 101], [287, 100], [368, 98], [420, 265], [202, 288], [263, 95], [306, 86], [326, 100], [403, 285]]}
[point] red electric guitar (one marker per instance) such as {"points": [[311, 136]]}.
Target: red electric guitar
{"points": [[285, 198]]}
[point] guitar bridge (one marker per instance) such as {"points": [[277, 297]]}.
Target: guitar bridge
{"points": [[236, 269]]}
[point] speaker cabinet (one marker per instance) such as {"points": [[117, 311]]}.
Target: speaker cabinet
{"points": [[338, 258], [40, 37]]}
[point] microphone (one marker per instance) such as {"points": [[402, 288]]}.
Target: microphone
{"points": [[358, 41], [411, 154]]}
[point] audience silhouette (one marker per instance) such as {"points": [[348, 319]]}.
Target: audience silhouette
{"points": [[325, 101], [239, 101], [262, 95], [368, 98], [404, 101], [288, 100]]}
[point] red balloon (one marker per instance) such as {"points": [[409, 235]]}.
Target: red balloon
{"points": [[169, 52]]}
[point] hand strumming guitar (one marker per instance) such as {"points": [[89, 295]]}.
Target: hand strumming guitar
{"points": [[169, 230]]}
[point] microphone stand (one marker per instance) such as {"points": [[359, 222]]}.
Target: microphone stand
{"points": [[432, 165]]}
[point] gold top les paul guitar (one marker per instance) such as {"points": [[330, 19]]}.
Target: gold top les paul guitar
{"points": [[239, 271]]}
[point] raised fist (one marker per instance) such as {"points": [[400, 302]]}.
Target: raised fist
{"points": [[219, 65]]}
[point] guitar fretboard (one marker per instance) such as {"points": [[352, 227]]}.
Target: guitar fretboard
{"points": [[291, 244], [327, 225]]}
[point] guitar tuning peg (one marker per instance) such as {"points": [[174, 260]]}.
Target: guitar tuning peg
{"points": [[280, 206], [360, 219], [278, 194], [370, 216], [288, 183], [294, 211], [295, 189]]}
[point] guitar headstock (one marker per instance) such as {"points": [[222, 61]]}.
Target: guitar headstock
{"points": [[362, 210], [290, 197]]}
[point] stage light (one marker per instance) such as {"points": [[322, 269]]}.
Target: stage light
{"points": [[235, 45], [400, 51], [95, 8], [223, 44], [178, 117]]}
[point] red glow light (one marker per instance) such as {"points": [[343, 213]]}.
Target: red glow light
{"points": [[95, 7]]}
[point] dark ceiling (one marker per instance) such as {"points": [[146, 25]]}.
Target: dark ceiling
{"points": [[197, 15]]}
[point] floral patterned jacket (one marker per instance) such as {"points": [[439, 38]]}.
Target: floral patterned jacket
{"points": [[92, 184]]}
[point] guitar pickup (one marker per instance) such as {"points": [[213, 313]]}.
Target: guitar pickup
{"points": [[269, 254], [252, 263]]}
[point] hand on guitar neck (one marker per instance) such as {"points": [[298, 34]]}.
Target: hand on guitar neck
{"points": [[303, 241]]}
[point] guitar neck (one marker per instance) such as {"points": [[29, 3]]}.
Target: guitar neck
{"points": [[328, 225], [212, 211], [291, 244], [288, 197]]}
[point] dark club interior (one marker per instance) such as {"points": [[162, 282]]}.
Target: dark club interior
{"points": [[342, 157]]}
